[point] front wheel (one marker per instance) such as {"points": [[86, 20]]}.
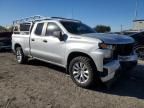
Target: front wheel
{"points": [[82, 72], [20, 57]]}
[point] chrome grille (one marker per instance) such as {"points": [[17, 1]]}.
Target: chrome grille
{"points": [[123, 50]]}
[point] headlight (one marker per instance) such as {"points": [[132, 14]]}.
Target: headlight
{"points": [[106, 46]]}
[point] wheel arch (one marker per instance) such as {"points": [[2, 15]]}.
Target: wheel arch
{"points": [[76, 54], [17, 45]]}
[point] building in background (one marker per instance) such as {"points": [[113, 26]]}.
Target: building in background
{"points": [[138, 25]]}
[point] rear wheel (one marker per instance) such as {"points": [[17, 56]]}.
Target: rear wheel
{"points": [[20, 57], [82, 72]]}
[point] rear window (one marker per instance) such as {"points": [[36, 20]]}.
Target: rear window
{"points": [[23, 28]]}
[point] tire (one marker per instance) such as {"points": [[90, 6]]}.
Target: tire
{"points": [[82, 72], [20, 57]]}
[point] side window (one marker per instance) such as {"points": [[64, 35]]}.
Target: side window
{"points": [[39, 29], [51, 28]]}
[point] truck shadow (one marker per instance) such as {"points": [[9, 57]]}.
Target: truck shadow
{"points": [[130, 84], [51, 66]]}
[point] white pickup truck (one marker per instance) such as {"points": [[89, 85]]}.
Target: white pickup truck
{"points": [[69, 43]]}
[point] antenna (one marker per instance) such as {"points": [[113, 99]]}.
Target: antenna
{"points": [[136, 10], [72, 14]]}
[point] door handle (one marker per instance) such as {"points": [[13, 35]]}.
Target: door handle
{"points": [[45, 41], [32, 39]]}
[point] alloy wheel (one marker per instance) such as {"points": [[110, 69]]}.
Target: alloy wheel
{"points": [[80, 72]]}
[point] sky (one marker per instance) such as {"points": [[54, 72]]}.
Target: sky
{"points": [[113, 13]]}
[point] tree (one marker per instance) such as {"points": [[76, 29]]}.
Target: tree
{"points": [[3, 29], [10, 29], [102, 28]]}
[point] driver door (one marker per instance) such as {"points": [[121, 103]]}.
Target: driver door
{"points": [[53, 49]]}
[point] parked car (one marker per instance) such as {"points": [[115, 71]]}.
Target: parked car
{"points": [[139, 44], [129, 32], [5, 40], [69, 43]]}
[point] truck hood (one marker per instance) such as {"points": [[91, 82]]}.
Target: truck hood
{"points": [[111, 38]]}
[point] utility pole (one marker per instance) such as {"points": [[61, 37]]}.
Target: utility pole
{"points": [[136, 10], [121, 28], [72, 14]]}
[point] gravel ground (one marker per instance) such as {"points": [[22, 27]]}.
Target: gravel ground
{"points": [[41, 85]]}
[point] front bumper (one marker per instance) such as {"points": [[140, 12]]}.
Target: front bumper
{"points": [[113, 67], [110, 69], [107, 70], [128, 62]]}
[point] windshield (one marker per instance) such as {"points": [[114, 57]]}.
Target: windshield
{"points": [[77, 27]]}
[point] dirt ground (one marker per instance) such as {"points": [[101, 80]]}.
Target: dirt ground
{"points": [[41, 85]]}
